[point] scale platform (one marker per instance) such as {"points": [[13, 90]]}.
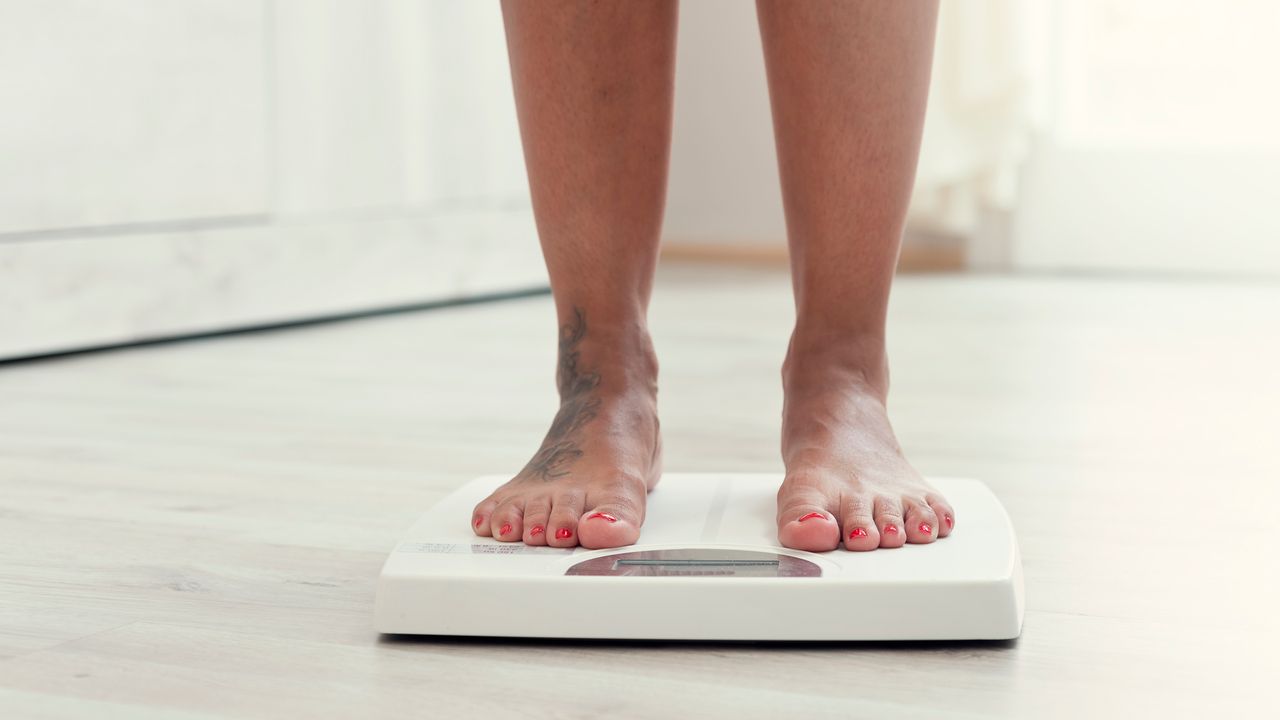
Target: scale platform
{"points": [[707, 567]]}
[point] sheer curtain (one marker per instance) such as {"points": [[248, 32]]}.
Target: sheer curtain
{"points": [[724, 190], [979, 124]]}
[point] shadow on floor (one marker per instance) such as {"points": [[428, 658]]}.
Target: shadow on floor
{"points": [[436, 641]]}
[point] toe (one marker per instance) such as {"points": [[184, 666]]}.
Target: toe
{"points": [[562, 524], [946, 515], [804, 523], [857, 524], [505, 522], [922, 524], [481, 514], [537, 512], [613, 516], [888, 515]]}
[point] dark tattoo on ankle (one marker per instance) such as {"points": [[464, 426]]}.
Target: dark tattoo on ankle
{"points": [[578, 406]]}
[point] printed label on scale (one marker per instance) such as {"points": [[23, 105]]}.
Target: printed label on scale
{"points": [[482, 549]]}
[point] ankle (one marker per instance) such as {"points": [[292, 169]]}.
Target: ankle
{"points": [[818, 357], [612, 353]]}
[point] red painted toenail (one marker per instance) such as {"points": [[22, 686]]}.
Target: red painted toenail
{"points": [[606, 516], [536, 530], [479, 519], [890, 529], [564, 534], [856, 533], [950, 522], [506, 528], [812, 515], [926, 528]]}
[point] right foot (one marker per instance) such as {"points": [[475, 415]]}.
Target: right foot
{"points": [[588, 482]]}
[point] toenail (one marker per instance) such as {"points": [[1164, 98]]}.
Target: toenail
{"points": [[606, 516], [479, 519], [890, 529], [926, 528], [812, 515], [536, 530], [564, 534], [950, 522], [857, 533], [506, 528]]}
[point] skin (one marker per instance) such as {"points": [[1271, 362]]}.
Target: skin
{"points": [[593, 84]]}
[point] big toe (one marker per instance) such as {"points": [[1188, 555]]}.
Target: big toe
{"points": [[804, 521], [814, 530], [604, 527], [806, 526], [612, 519]]}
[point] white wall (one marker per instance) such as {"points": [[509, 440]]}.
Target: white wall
{"points": [[169, 168], [724, 175], [107, 106]]}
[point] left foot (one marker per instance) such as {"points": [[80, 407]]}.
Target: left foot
{"points": [[847, 481]]}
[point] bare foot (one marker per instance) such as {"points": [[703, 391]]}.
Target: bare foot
{"points": [[847, 480], [588, 482]]}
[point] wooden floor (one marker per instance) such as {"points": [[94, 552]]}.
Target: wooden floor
{"points": [[194, 530]]}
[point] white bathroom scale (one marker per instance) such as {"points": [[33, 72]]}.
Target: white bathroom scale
{"points": [[707, 567]]}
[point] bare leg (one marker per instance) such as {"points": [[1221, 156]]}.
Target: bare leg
{"points": [[848, 82], [593, 84]]}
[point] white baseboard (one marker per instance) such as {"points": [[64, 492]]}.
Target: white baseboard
{"points": [[66, 293]]}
